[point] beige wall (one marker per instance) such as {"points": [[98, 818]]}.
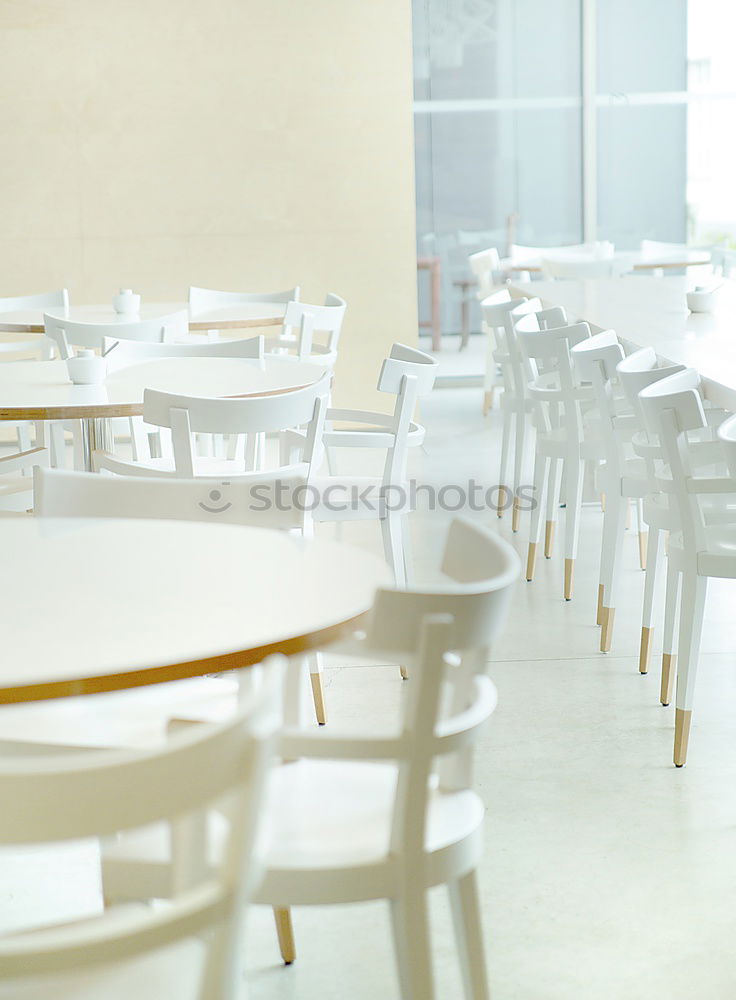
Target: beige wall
{"points": [[244, 144]]}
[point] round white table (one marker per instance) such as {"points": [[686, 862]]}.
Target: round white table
{"points": [[42, 390], [102, 605], [244, 315]]}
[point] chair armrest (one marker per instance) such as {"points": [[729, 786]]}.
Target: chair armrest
{"points": [[24, 460]]}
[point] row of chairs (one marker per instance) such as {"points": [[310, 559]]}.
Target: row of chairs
{"points": [[650, 440]]}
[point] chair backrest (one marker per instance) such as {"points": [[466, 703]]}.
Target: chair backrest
{"points": [[727, 437], [67, 333], [723, 261], [595, 360], [548, 351], [638, 370], [132, 352], [672, 409], [202, 299], [303, 320], [486, 267], [282, 411], [657, 249], [264, 500], [201, 770], [44, 300], [22, 464], [408, 374]]}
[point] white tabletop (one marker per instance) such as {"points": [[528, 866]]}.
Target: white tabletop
{"points": [[652, 312], [634, 259], [41, 390], [128, 602], [246, 314]]}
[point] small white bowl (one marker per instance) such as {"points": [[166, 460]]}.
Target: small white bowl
{"points": [[87, 368], [702, 300]]}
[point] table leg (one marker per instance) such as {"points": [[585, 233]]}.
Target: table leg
{"points": [[96, 436], [435, 287]]}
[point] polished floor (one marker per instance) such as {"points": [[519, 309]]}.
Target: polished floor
{"points": [[608, 873]]}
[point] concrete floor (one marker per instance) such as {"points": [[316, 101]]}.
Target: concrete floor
{"points": [[608, 873]]}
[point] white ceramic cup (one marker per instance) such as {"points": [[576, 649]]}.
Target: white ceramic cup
{"points": [[86, 368], [126, 303], [702, 300]]}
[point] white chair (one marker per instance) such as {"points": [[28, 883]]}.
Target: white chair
{"points": [[673, 410], [132, 352], [501, 314], [486, 268], [564, 441], [66, 333], [302, 321], [493, 310], [16, 484], [248, 417], [189, 948], [723, 261], [203, 299], [357, 816], [408, 374]]}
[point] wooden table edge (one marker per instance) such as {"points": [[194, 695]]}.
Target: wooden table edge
{"points": [[194, 324], [145, 676]]}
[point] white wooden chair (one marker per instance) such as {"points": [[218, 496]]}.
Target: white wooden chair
{"points": [[189, 948], [66, 333], [408, 374], [302, 322], [203, 299], [563, 442], [673, 410], [358, 817], [248, 417]]}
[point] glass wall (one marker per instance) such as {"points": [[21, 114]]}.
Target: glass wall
{"points": [[498, 136]]}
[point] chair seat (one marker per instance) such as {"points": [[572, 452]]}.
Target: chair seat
{"points": [[326, 837], [358, 498], [717, 558], [174, 971]]}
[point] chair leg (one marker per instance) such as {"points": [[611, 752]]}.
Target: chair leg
{"points": [[410, 924], [541, 472], [469, 936], [574, 496], [650, 579], [642, 532], [393, 546], [285, 933], [318, 691], [407, 550], [519, 451], [488, 401], [613, 533], [504, 466], [692, 608], [554, 481], [669, 646]]}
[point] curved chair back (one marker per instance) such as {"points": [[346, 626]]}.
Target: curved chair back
{"points": [[131, 352], [283, 411], [67, 333], [727, 437], [582, 267], [41, 301], [263, 500], [202, 771], [202, 299], [481, 569]]}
